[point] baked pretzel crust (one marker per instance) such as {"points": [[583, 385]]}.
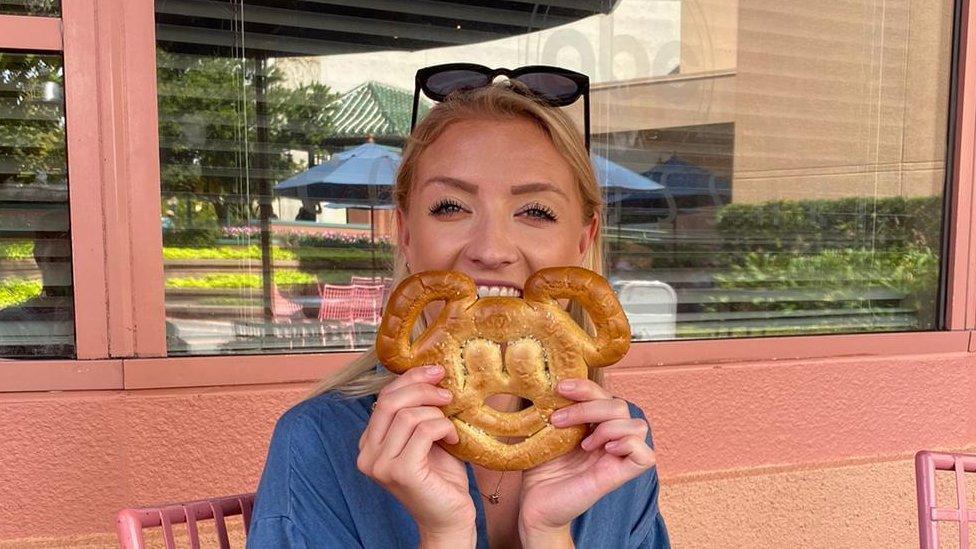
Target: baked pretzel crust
{"points": [[508, 345]]}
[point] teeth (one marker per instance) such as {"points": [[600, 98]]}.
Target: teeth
{"points": [[498, 291]]}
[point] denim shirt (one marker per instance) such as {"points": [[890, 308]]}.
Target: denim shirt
{"points": [[311, 493]]}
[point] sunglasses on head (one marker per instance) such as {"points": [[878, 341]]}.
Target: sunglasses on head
{"points": [[554, 86]]}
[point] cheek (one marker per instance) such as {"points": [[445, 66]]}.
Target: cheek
{"points": [[432, 245]]}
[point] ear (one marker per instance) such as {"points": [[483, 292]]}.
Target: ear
{"points": [[588, 234], [402, 231]]}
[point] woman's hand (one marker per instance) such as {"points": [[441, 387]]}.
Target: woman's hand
{"points": [[397, 450], [556, 492]]}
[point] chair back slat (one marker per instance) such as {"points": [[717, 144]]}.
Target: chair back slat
{"points": [[167, 529], [247, 504], [191, 528], [131, 522], [221, 526], [929, 513]]}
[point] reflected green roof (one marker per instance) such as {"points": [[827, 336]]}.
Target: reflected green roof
{"points": [[375, 109]]}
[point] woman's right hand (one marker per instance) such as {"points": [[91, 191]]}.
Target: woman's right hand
{"points": [[397, 450]]}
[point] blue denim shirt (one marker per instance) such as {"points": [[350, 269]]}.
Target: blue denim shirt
{"points": [[312, 495]]}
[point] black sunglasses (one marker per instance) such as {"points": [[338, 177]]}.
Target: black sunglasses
{"points": [[554, 86]]}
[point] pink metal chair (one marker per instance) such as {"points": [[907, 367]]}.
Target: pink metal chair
{"points": [[336, 309], [130, 522], [367, 303], [929, 513], [282, 308]]}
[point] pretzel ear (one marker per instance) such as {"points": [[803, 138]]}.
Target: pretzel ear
{"points": [[406, 304], [597, 299]]}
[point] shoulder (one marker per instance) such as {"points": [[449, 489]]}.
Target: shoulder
{"points": [[330, 412]]}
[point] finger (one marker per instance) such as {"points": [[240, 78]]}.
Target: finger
{"points": [[592, 411], [387, 406], [613, 430], [423, 374], [402, 429], [423, 438], [582, 389], [634, 449]]}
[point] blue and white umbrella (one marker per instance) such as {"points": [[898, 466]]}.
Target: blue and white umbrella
{"points": [[363, 175], [618, 179]]}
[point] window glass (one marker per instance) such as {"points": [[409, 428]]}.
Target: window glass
{"points": [[36, 312], [30, 7], [760, 179]]}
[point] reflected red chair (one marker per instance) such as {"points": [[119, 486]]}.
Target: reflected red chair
{"points": [[367, 303], [131, 522], [336, 309], [282, 308], [929, 513]]}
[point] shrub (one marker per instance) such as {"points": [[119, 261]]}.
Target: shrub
{"points": [[895, 223], [205, 237]]}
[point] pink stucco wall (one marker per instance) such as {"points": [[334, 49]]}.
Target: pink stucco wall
{"points": [[738, 443]]}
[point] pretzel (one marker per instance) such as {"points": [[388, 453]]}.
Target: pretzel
{"points": [[507, 345]]}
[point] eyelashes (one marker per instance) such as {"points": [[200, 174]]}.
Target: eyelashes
{"points": [[546, 211], [445, 205], [536, 210]]}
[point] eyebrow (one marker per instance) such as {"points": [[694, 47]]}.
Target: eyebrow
{"points": [[471, 188]]}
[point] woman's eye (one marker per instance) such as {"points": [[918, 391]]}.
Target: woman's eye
{"points": [[446, 207], [540, 211]]}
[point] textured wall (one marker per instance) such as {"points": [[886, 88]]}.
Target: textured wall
{"points": [[801, 453]]}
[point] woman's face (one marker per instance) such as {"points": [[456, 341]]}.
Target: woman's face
{"points": [[494, 200]]}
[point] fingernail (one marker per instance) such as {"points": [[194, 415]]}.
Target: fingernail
{"points": [[567, 385], [612, 445], [434, 369], [444, 393], [558, 416]]}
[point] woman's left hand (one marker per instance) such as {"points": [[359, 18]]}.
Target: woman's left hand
{"points": [[556, 492]]}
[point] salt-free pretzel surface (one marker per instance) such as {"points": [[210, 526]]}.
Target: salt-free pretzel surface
{"points": [[520, 346]]}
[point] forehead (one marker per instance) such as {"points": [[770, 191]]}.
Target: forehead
{"points": [[496, 155]]}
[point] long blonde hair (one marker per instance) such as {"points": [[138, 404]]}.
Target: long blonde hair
{"points": [[495, 102]]}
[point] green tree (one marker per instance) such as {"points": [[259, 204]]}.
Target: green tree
{"points": [[227, 125], [32, 139]]}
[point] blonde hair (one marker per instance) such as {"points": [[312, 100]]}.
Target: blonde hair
{"points": [[495, 102]]}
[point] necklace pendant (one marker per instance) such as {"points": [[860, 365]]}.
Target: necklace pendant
{"points": [[493, 499]]}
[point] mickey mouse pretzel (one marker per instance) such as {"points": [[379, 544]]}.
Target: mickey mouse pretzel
{"points": [[505, 345]]}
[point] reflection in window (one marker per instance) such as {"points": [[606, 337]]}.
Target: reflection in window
{"points": [[36, 313], [30, 7], [787, 185]]}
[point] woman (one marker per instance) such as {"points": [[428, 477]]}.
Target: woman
{"points": [[496, 185]]}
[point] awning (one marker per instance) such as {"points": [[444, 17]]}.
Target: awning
{"points": [[277, 28]]}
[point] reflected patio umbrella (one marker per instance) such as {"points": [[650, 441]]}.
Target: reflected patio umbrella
{"points": [[362, 175], [619, 182]]}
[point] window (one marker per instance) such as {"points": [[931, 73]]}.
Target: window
{"points": [[30, 7], [791, 175], [36, 311]]}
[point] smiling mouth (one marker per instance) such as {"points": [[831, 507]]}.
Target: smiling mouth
{"points": [[498, 291]]}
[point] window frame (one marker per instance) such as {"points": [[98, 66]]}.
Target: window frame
{"points": [[109, 53]]}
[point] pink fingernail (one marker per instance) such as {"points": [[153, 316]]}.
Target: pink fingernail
{"points": [[559, 415], [433, 370], [612, 445], [567, 385]]}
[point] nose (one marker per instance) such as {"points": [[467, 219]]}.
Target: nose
{"points": [[491, 245]]}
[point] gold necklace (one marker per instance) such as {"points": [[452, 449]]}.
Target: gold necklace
{"points": [[495, 497]]}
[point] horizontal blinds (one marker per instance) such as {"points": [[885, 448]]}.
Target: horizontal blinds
{"points": [[36, 306]]}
